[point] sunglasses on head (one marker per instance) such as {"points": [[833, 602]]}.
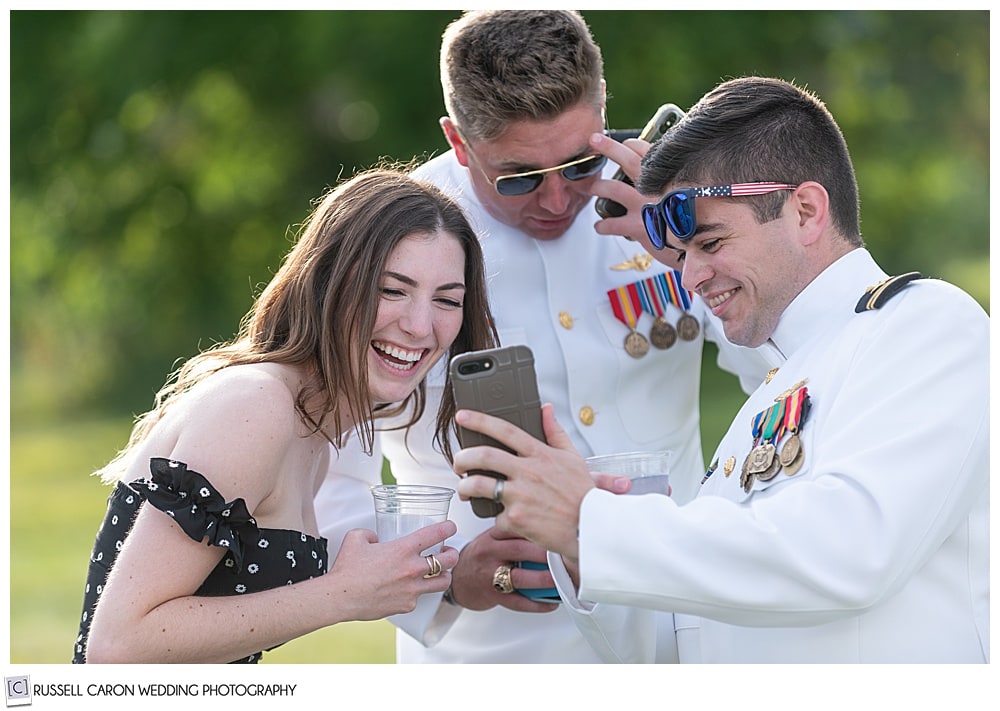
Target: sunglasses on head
{"points": [[524, 183], [676, 209]]}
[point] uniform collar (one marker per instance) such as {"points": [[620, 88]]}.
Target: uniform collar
{"points": [[828, 300]]}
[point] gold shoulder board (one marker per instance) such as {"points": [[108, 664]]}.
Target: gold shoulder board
{"points": [[877, 295]]}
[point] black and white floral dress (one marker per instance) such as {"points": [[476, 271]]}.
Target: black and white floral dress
{"points": [[256, 558]]}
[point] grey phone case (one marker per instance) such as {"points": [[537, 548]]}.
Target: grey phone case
{"points": [[499, 382]]}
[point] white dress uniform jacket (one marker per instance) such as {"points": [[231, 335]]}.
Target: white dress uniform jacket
{"points": [[875, 550], [552, 297]]}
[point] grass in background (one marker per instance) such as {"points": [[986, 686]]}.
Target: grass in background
{"points": [[56, 507]]}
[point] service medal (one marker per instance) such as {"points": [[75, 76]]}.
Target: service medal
{"points": [[688, 327], [626, 303], [652, 300], [636, 344], [663, 289], [772, 470], [796, 410], [746, 478], [790, 450], [662, 334], [796, 464], [760, 458], [767, 427]]}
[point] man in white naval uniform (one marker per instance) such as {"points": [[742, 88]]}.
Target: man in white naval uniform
{"points": [[550, 275], [845, 514]]}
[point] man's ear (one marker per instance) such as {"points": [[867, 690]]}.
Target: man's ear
{"points": [[454, 139], [812, 204]]}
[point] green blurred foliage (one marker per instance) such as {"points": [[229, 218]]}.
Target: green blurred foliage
{"points": [[161, 161]]}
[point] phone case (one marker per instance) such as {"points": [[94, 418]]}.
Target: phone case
{"points": [[499, 382], [665, 117]]}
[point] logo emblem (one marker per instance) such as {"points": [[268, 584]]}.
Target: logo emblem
{"points": [[18, 690]]}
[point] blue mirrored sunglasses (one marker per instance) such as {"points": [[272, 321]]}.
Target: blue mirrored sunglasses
{"points": [[676, 209]]}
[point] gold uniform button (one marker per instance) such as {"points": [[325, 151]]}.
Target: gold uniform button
{"points": [[587, 416], [565, 320]]}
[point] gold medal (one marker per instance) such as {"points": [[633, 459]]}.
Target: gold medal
{"points": [[688, 327], [636, 344], [761, 457], [796, 464], [626, 303], [662, 334], [668, 286], [772, 470], [746, 478], [663, 289], [796, 410], [767, 430], [790, 450]]}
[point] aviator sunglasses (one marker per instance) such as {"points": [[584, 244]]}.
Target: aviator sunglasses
{"points": [[524, 183], [676, 209]]}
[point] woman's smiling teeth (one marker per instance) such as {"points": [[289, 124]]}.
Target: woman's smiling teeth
{"points": [[398, 358]]}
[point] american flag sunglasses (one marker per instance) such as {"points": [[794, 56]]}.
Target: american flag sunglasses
{"points": [[676, 209]]}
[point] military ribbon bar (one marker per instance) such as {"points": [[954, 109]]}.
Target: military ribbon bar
{"points": [[793, 410], [627, 306], [678, 294]]}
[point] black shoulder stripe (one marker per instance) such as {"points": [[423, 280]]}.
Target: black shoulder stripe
{"points": [[876, 296]]}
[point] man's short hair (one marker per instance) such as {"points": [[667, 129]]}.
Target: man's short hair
{"points": [[501, 66], [757, 129]]}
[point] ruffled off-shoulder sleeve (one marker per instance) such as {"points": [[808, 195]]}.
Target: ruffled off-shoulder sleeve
{"points": [[198, 508]]}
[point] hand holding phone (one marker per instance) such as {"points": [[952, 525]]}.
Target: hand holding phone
{"points": [[665, 117], [500, 382]]}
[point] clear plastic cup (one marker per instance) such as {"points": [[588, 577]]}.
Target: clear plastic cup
{"points": [[401, 509], [649, 471]]}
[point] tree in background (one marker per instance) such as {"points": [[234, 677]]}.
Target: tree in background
{"points": [[161, 161]]}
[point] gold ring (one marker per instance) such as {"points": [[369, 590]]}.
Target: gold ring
{"points": [[433, 566], [501, 580], [498, 491]]}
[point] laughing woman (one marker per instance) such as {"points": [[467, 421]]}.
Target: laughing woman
{"points": [[209, 551]]}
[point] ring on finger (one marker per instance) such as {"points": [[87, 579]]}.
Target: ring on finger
{"points": [[501, 580], [498, 491], [433, 566]]}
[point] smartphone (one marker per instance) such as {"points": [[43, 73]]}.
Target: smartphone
{"points": [[500, 382], [665, 117]]}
